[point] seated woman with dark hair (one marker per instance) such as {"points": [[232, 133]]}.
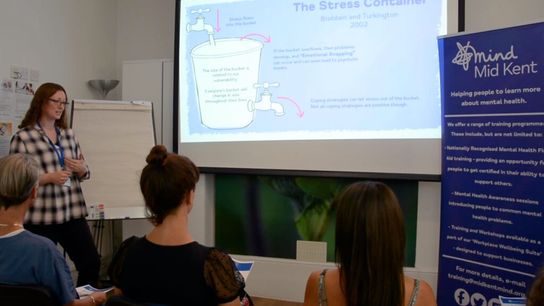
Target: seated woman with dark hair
{"points": [[167, 266], [370, 243], [26, 258], [535, 297]]}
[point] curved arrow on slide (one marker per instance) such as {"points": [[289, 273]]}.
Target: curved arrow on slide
{"points": [[300, 113], [267, 39]]}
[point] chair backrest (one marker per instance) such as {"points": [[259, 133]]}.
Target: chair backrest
{"points": [[121, 301], [23, 295]]}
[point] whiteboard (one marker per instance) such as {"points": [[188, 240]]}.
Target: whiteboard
{"points": [[115, 138]]}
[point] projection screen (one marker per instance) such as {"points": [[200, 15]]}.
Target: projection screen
{"points": [[342, 86]]}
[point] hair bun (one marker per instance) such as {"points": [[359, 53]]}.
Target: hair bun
{"points": [[157, 155]]}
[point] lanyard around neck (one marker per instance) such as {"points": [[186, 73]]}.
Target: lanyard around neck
{"points": [[59, 150]]}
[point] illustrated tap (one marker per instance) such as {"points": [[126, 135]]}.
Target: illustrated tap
{"points": [[266, 102], [200, 25]]}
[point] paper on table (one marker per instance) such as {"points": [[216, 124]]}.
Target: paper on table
{"points": [[244, 267], [512, 301], [86, 290]]}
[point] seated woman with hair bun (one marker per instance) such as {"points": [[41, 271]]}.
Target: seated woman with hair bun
{"points": [[167, 266]]}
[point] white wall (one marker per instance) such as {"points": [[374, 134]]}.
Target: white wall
{"points": [[490, 14], [145, 30], [68, 41]]}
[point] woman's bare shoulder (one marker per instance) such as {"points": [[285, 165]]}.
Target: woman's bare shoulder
{"points": [[310, 295], [426, 295]]}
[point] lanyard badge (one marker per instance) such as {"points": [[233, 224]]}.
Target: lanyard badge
{"points": [[59, 151]]}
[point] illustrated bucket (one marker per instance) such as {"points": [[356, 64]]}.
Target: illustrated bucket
{"points": [[225, 75]]}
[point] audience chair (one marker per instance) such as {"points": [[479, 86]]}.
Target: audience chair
{"points": [[24, 295], [124, 301]]}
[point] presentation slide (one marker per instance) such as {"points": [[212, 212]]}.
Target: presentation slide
{"points": [[288, 84], [293, 70]]}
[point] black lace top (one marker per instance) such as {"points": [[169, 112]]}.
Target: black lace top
{"points": [[189, 274]]}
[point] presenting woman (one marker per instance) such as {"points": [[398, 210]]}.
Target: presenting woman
{"points": [[59, 211]]}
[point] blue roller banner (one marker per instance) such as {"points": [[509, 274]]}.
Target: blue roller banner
{"points": [[491, 236]]}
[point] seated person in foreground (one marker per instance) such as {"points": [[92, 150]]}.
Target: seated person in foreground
{"points": [[26, 258], [535, 297], [167, 266], [370, 243]]}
